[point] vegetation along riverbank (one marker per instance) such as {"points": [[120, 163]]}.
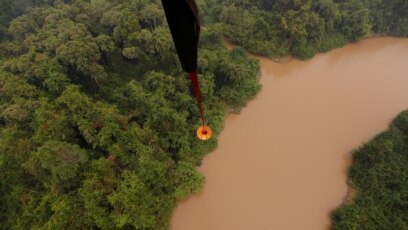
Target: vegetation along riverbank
{"points": [[97, 122]]}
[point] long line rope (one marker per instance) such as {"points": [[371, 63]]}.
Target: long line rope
{"points": [[197, 93]]}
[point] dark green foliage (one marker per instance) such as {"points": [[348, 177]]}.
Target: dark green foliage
{"points": [[353, 20], [9, 9], [380, 175], [389, 17], [97, 121], [302, 28], [298, 28]]}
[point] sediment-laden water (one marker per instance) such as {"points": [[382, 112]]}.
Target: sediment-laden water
{"points": [[282, 163]]}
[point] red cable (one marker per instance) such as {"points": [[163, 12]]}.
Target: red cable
{"points": [[197, 93]]}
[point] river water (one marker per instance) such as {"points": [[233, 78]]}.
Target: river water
{"points": [[282, 163]]}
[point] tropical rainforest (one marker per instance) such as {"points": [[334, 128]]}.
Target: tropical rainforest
{"points": [[302, 28], [97, 120], [379, 174]]}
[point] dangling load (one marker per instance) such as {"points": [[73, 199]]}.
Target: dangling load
{"points": [[183, 20]]}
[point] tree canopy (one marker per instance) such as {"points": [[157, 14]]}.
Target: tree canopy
{"points": [[379, 174], [97, 121], [302, 28]]}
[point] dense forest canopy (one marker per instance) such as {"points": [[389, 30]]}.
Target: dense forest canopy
{"points": [[97, 121], [301, 28], [380, 176]]}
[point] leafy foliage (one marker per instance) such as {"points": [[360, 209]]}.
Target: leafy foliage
{"points": [[379, 174], [389, 17], [97, 121], [302, 28]]}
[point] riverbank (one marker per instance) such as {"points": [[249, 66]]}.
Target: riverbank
{"points": [[282, 163], [377, 176]]}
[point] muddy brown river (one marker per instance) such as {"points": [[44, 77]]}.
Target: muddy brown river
{"points": [[282, 163]]}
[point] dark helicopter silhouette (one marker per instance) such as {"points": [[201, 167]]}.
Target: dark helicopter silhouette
{"points": [[183, 20]]}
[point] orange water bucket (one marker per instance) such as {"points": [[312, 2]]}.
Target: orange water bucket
{"points": [[204, 133]]}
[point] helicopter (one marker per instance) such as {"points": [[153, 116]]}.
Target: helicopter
{"points": [[184, 24]]}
